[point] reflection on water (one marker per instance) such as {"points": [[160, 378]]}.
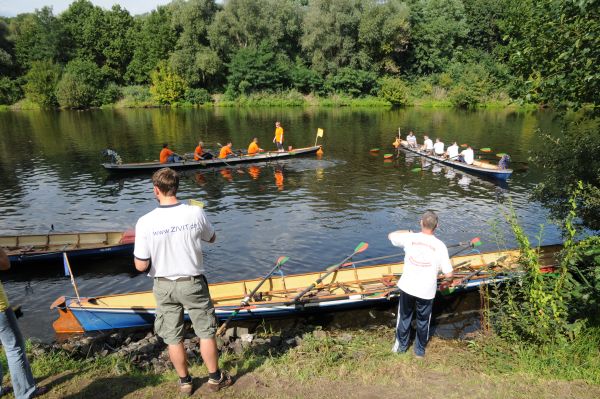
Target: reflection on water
{"points": [[312, 209]]}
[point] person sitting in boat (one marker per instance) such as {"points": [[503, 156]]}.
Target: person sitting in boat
{"points": [[226, 151], [504, 162], [398, 141], [452, 152], [253, 148], [427, 145], [438, 148], [200, 154], [168, 156], [411, 139], [467, 156]]}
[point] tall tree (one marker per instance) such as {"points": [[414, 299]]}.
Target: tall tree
{"points": [[439, 27], [85, 27], [37, 36], [192, 58], [330, 36], [153, 38], [384, 33], [118, 38], [42, 79]]}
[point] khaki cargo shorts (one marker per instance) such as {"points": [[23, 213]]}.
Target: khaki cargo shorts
{"points": [[172, 297]]}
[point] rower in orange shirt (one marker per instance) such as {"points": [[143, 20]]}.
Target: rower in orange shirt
{"points": [[166, 155], [225, 151], [253, 147], [200, 154]]}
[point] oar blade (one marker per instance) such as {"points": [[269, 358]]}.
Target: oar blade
{"points": [[475, 242], [282, 260], [415, 170], [485, 149], [361, 247]]}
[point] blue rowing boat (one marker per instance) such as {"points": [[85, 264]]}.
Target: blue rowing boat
{"points": [[478, 167]]}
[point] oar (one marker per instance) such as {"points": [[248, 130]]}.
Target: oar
{"points": [[248, 298], [474, 243], [359, 248]]}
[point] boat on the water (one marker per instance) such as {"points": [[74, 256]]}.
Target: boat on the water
{"points": [[350, 287], [50, 247], [209, 163], [478, 167]]}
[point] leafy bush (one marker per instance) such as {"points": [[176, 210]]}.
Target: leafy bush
{"points": [[110, 94], [463, 97], [354, 82], [255, 69], [306, 80], [197, 96], [167, 87], [81, 85], [10, 92], [42, 79], [393, 90]]}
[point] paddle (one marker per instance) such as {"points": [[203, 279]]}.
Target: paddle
{"points": [[248, 298], [474, 243], [359, 248], [416, 170]]}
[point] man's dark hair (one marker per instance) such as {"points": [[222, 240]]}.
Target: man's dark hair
{"points": [[165, 145], [430, 220], [167, 181]]}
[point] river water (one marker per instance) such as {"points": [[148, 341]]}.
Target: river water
{"points": [[314, 210]]}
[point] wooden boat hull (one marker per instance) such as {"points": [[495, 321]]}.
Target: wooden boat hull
{"points": [[50, 247], [210, 163], [348, 288], [484, 168]]}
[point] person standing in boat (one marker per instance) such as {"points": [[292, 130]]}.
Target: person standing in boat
{"points": [[168, 156], [21, 376], [168, 244], [411, 139], [425, 255], [438, 148], [253, 148], [278, 139], [226, 151], [467, 156], [452, 151]]}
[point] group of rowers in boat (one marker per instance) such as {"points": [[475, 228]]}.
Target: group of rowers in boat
{"points": [[168, 156], [451, 153]]}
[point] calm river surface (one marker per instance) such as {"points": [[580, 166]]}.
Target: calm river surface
{"points": [[313, 210]]}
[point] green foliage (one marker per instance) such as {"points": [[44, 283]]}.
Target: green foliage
{"points": [[37, 37], [197, 96], [438, 29], [354, 82], [330, 37], [255, 69], [136, 96], [41, 81], [10, 91], [80, 85], [483, 19], [393, 90], [167, 87], [554, 47], [305, 80], [153, 38], [572, 157]]}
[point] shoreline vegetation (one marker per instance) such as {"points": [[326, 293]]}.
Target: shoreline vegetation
{"points": [[142, 99], [308, 361]]}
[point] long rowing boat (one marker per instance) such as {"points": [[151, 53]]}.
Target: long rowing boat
{"points": [[208, 163], [349, 288], [478, 167], [50, 247]]}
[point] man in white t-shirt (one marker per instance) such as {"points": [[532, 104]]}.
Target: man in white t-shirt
{"points": [[168, 246], [452, 152], [424, 257], [427, 145], [467, 156], [438, 148], [411, 139]]}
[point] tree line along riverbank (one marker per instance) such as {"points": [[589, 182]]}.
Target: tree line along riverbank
{"points": [[287, 52]]}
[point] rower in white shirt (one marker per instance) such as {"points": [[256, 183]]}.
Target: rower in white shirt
{"points": [[438, 148], [467, 156], [427, 145], [452, 151]]}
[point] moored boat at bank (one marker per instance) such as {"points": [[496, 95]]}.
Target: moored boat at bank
{"points": [[50, 247], [209, 163], [478, 167], [348, 288]]}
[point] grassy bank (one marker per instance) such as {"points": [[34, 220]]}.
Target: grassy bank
{"points": [[352, 364]]}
